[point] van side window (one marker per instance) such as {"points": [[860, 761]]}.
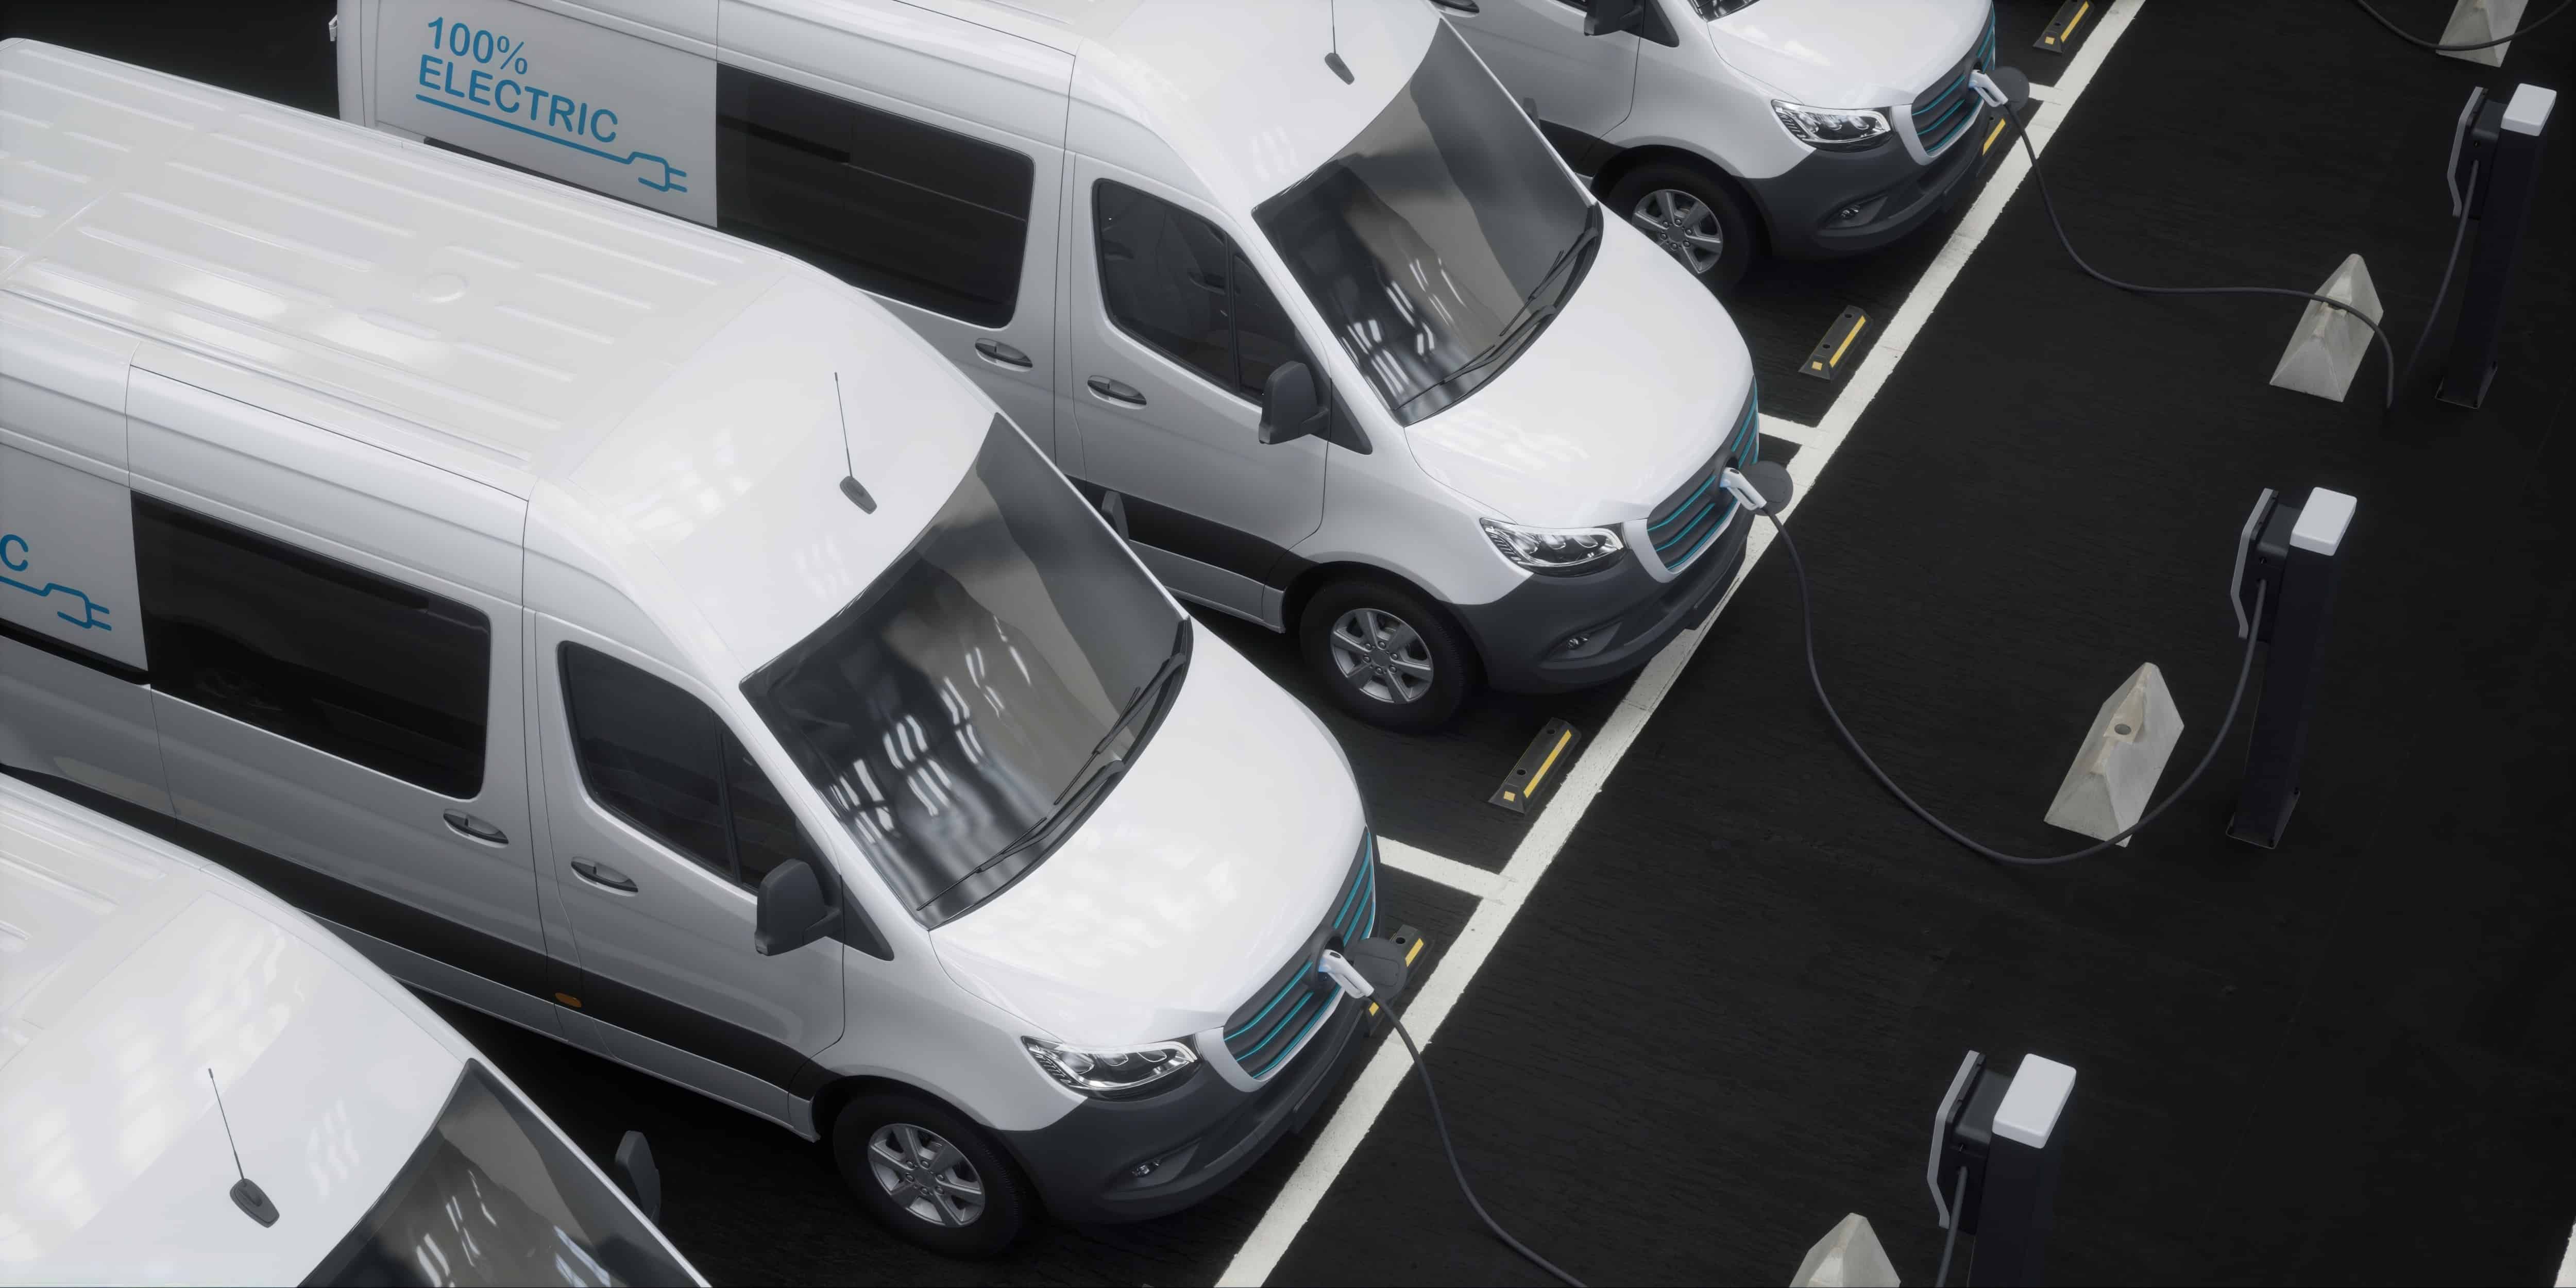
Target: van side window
{"points": [[924, 215], [659, 759], [337, 658], [1178, 283]]}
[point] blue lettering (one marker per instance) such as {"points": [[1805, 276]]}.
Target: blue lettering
{"points": [[559, 113], [18, 564], [511, 108], [425, 61], [536, 100], [479, 85], [450, 78], [599, 118]]}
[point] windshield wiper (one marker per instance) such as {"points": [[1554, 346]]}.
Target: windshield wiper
{"points": [[1073, 804], [1142, 701], [1528, 315]]}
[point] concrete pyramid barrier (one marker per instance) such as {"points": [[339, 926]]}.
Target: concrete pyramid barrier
{"points": [[2330, 343], [2115, 771]]}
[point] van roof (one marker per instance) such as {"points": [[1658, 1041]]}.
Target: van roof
{"points": [[134, 968], [508, 313]]}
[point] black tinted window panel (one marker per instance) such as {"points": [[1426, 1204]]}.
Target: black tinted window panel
{"points": [[1164, 277], [910, 211], [764, 831], [337, 658], [649, 753], [1264, 338]]}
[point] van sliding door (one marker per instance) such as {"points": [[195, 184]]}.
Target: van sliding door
{"points": [[344, 694], [949, 219]]}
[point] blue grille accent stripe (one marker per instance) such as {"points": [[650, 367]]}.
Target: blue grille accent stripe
{"points": [[1283, 1023], [1677, 510], [1295, 1045], [1275, 1000]]}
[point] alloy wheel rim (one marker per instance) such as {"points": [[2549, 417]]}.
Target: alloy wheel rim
{"points": [[1381, 655], [1684, 226], [926, 1175]]}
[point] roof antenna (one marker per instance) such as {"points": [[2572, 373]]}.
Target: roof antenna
{"points": [[1334, 59], [247, 1195], [850, 481]]}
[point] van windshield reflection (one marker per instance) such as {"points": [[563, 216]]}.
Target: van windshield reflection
{"points": [[980, 697], [1441, 240], [493, 1196]]}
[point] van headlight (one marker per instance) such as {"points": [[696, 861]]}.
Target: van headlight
{"points": [[1556, 551], [1835, 129], [1113, 1072]]}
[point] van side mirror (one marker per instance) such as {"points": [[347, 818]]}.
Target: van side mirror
{"points": [[1610, 17], [1290, 406], [633, 1170], [791, 912]]}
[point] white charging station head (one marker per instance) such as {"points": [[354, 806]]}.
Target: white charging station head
{"points": [[1343, 973]]}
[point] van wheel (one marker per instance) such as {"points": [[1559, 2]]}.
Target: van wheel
{"points": [[1385, 655], [929, 1176], [1699, 220]]}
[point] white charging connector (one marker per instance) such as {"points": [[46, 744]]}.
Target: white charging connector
{"points": [[1348, 976], [1743, 489], [1987, 89]]}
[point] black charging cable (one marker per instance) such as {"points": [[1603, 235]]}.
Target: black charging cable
{"points": [[1442, 1126], [2443, 291], [1807, 623], [2037, 173], [2420, 43]]}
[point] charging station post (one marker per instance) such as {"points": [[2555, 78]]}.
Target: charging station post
{"points": [[2293, 554], [2500, 143], [1996, 1146]]}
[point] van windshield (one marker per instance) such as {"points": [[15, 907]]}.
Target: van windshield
{"points": [[970, 707], [493, 1196], [1441, 240]]}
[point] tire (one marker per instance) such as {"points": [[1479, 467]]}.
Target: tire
{"points": [[1001, 1211], [1413, 678], [1658, 199]]}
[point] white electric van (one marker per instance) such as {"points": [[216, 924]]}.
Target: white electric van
{"points": [[200, 1085], [1721, 127], [1291, 289], [640, 636]]}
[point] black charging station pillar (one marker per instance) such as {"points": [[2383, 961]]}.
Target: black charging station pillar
{"points": [[2295, 556], [2504, 142], [2004, 1132]]}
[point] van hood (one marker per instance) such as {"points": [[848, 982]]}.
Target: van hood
{"points": [[1634, 385], [1211, 861], [120, 1157], [1849, 53]]}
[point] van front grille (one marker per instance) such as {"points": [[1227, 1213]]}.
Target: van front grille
{"points": [[1946, 110], [1689, 520], [1268, 1031]]}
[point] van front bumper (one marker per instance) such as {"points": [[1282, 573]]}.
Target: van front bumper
{"points": [[1131, 1160], [1623, 616], [1893, 193]]}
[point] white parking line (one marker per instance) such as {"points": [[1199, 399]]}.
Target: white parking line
{"points": [[1340, 1136], [1449, 872]]}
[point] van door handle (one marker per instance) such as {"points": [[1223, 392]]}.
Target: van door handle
{"points": [[1003, 355], [1458, 6], [475, 829], [1117, 391], [602, 875]]}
